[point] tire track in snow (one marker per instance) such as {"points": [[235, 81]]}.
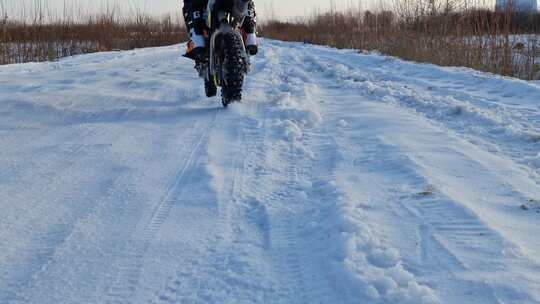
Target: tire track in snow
{"points": [[465, 247], [483, 118], [43, 251], [282, 235], [277, 234], [259, 208], [284, 193], [239, 218], [302, 277], [131, 260], [252, 166], [309, 246], [111, 197], [453, 243]]}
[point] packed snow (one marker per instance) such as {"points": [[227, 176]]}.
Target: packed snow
{"points": [[342, 177]]}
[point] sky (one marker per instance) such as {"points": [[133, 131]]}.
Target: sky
{"points": [[282, 9], [277, 8]]}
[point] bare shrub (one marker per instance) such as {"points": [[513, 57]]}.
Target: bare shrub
{"points": [[39, 38], [448, 33]]}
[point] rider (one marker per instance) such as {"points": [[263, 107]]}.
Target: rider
{"points": [[193, 12]]}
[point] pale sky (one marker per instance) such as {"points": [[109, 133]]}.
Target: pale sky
{"points": [[282, 9]]}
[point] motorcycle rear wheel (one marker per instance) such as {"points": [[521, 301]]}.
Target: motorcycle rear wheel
{"points": [[233, 68]]}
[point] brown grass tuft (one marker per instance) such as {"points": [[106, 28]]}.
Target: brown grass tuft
{"points": [[476, 38], [40, 39]]}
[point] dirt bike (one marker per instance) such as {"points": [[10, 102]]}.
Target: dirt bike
{"points": [[227, 61]]}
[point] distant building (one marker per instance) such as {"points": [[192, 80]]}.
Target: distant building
{"points": [[517, 5]]}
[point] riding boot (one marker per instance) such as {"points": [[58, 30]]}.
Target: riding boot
{"points": [[250, 29], [197, 45]]}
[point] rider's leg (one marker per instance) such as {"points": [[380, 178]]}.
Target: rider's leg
{"points": [[250, 27], [193, 15]]}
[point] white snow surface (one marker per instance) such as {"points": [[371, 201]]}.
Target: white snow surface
{"points": [[341, 178]]}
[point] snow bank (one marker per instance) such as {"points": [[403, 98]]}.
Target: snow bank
{"points": [[495, 112], [294, 106], [375, 271]]}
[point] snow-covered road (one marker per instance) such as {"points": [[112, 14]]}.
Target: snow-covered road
{"points": [[342, 178]]}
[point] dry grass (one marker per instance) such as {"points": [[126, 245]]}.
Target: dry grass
{"points": [[443, 32], [479, 39], [40, 39]]}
